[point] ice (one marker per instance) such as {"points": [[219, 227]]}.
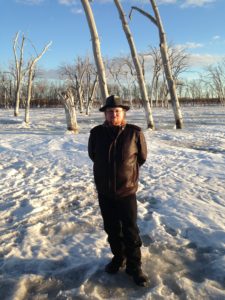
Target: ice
{"points": [[52, 243]]}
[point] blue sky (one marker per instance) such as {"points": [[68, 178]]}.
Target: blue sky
{"points": [[197, 24]]}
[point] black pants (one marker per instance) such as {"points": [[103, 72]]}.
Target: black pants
{"points": [[120, 223]]}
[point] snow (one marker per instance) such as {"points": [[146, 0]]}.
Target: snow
{"points": [[52, 244]]}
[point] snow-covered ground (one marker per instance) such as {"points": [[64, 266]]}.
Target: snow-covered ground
{"points": [[52, 245]]}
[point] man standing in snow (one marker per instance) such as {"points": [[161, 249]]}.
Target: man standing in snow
{"points": [[118, 150]]}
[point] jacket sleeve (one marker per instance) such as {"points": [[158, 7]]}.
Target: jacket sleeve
{"points": [[91, 146], [142, 149]]}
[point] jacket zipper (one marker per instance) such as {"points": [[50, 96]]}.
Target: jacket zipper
{"points": [[114, 159]]}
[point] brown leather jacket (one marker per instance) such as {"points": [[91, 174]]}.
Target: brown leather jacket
{"points": [[117, 153]]}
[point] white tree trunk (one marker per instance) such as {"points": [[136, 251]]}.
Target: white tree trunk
{"points": [[71, 117], [96, 49], [19, 70], [167, 68], [90, 98], [17, 100], [29, 92], [140, 76], [30, 82], [166, 64]]}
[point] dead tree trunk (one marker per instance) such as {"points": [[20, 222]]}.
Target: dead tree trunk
{"points": [[166, 64], [91, 96], [79, 92], [140, 76], [96, 49], [20, 72], [29, 93], [157, 66], [31, 69], [68, 103]]}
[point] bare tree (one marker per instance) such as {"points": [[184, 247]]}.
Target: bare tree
{"points": [[216, 76], [195, 89], [130, 82], [81, 68], [166, 63], [31, 68], [140, 76], [178, 60], [20, 70], [70, 111], [5, 89], [157, 69], [80, 77], [96, 49], [115, 69], [74, 75], [91, 92], [121, 70]]}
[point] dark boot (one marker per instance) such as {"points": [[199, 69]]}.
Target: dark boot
{"points": [[115, 264], [138, 276]]}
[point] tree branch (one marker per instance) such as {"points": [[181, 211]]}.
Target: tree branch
{"points": [[143, 13]]}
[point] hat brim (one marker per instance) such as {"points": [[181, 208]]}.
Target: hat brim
{"points": [[103, 108]]}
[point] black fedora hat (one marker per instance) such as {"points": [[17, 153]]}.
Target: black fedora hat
{"points": [[113, 101]]}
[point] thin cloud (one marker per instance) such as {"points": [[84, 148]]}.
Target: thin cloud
{"points": [[73, 4], [166, 1], [77, 11], [29, 2], [190, 45], [144, 1], [196, 3], [203, 60], [216, 37], [67, 2], [185, 3], [104, 1], [52, 74], [181, 3]]}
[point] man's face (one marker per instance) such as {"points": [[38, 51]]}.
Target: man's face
{"points": [[114, 115]]}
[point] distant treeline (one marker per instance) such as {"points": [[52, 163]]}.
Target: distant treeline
{"points": [[134, 103]]}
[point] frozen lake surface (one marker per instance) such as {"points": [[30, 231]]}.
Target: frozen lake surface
{"points": [[52, 245]]}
